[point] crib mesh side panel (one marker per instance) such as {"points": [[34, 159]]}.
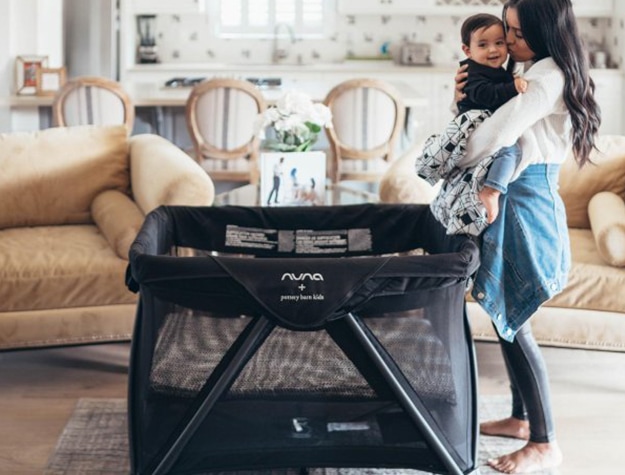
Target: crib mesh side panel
{"points": [[190, 345], [300, 401]]}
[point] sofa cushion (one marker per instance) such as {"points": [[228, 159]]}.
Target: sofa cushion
{"points": [[162, 174], [593, 284], [118, 218], [48, 267], [606, 211], [607, 173], [51, 176], [401, 184]]}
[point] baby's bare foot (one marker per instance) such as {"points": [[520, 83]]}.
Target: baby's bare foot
{"points": [[509, 427], [531, 458], [490, 199]]}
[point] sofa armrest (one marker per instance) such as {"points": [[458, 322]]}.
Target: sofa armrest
{"points": [[606, 211], [118, 218], [401, 184], [162, 174]]}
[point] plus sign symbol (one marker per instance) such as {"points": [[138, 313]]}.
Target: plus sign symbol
{"points": [[301, 287]]}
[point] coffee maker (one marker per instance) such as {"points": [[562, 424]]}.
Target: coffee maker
{"points": [[147, 51]]}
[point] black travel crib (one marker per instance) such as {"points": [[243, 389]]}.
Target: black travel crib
{"points": [[297, 338]]}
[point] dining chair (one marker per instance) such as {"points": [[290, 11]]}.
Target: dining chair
{"points": [[367, 119], [221, 115], [92, 100]]}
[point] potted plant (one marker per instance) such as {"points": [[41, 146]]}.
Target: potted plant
{"points": [[295, 121], [290, 173]]}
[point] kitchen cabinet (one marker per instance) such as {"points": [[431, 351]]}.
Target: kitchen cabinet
{"points": [[438, 87], [167, 6], [593, 8], [582, 8], [609, 95], [382, 7]]}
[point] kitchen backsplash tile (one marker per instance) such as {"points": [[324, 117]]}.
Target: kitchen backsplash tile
{"points": [[186, 38]]}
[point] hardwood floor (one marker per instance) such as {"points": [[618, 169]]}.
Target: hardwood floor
{"points": [[39, 388]]}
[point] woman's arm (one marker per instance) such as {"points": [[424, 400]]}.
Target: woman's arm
{"points": [[542, 98]]}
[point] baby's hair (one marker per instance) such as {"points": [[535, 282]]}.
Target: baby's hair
{"points": [[475, 22]]}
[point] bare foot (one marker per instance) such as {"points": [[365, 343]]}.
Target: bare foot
{"points": [[509, 427], [490, 199], [531, 458]]}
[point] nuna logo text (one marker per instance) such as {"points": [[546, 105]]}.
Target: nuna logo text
{"points": [[301, 276]]}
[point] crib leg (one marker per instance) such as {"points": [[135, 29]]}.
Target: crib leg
{"points": [[402, 396]]}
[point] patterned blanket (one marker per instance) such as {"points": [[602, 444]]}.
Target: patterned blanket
{"points": [[457, 206]]}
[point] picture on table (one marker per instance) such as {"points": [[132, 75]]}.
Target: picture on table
{"points": [[292, 179]]}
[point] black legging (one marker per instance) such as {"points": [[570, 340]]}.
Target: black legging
{"points": [[531, 399]]}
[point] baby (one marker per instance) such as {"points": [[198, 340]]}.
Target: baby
{"points": [[489, 86]]}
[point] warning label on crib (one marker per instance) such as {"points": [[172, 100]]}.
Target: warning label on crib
{"points": [[300, 241], [256, 238]]}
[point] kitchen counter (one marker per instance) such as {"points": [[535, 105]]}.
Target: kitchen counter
{"points": [[347, 66], [153, 94], [145, 81], [150, 94]]}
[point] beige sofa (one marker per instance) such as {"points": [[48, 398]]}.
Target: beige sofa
{"points": [[72, 200], [590, 312]]}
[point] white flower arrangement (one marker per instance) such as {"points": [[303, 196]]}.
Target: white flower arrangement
{"points": [[296, 121]]}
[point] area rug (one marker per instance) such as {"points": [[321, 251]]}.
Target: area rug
{"points": [[94, 442]]}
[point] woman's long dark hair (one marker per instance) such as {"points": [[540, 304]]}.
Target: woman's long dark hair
{"points": [[550, 30]]}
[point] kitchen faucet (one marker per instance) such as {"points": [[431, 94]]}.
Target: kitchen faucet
{"points": [[281, 53]]}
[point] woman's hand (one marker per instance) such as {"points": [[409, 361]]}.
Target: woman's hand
{"points": [[460, 79]]}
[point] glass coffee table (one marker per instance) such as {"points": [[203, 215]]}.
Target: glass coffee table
{"points": [[336, 194]]}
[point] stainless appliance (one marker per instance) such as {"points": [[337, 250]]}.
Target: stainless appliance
{"points": [[147, 52], [416, 54]]}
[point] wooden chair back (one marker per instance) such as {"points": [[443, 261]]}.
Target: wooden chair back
{"points": [[367, 118], [89, 100], [221, 115]]}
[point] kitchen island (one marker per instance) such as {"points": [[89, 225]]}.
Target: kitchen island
{"points": [[161, 109], [423, 88]]}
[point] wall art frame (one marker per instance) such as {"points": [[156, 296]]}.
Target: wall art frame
{"points": [[26, 67], [50, 80]]}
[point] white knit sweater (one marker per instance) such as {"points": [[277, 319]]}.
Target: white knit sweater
{"points": [[538, 119]]}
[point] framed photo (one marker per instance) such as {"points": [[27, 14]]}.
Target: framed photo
{"points": [[292, 178], [50, 80], [26, 68]]}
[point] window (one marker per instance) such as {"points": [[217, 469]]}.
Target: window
{"points": [[259, 18]]}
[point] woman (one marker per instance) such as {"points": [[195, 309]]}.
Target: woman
{"points": [[525, 252]]}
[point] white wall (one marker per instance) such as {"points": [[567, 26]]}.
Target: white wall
{"points": [[5, 67], [27, 27], [90, 38]]}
